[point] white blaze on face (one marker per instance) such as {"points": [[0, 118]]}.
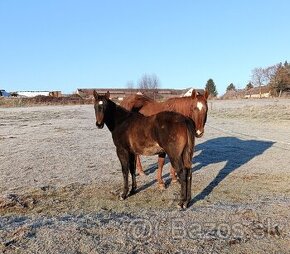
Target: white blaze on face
{"points": [[198, 132], [100, 102], [199, 105]]}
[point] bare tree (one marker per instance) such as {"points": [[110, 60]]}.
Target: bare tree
{"points": [[258, 76], [144, 82], [149, 84], [130, 86], [270, 72], [261, 77]]}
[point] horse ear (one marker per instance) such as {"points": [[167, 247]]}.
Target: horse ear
{"points": [[95, 94], [193, 94], [108, 95], [206, 93]]}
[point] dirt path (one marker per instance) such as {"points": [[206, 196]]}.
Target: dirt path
{"points": [[59, 177]]}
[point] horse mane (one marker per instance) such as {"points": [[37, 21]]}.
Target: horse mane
{"points": [[135, 102]]}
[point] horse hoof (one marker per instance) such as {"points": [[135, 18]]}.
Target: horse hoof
{"points": [[122, 197], [132, 192], [185, 206], [161, 186], [182, 206]]}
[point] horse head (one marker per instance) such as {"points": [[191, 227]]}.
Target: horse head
{"points": [[199, 111], [100, 105]]}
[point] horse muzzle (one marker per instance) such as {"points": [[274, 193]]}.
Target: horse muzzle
{"points": [[199, 133], [100, 125]]}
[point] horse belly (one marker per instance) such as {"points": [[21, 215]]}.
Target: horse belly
{"points": [[147, 150], [152, 150]]}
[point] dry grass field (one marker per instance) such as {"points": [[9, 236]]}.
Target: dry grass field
{"points": [[59, 176]]}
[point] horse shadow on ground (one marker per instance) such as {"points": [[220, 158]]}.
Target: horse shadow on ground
{"points": [[234, 151]]}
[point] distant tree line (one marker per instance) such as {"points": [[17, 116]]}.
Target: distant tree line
{"points": [[232, 87], [276, 76]]}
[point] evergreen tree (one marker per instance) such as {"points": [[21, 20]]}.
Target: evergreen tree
{"points": [[210, 86], [231, 86], [249, 86]]}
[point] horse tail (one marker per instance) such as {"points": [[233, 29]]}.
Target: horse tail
{"points": [[188, 149]]}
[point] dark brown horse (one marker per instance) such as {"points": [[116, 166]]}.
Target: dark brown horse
{"points": [[194, 107], [135, 134]]}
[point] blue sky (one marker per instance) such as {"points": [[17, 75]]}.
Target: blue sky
{"points": [[69, 44]]}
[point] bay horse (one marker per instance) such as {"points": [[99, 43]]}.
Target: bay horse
{"points": [[194, 107], [135, 134]]}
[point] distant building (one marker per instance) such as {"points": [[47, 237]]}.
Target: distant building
{"points": [[258, 92], [31, 94], [120, 93], [55, 94], [234, 94], [189, 92]]}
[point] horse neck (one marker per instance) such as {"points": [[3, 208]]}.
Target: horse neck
{"points": [[114, 115], [153, 108], [179, 105]]}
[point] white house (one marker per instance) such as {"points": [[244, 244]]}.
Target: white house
{"points": [[189, 92]]}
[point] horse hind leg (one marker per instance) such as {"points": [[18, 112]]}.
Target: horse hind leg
{"points": [[187, 172], [161, 161], [139, 166], [188, 184], [182, 175], [185, 177], [173, 174]]}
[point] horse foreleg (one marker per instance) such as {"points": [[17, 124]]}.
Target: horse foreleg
{"points": [[132, 167], [139, 166], [125, 172], [161, 161], [124, 159]]}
